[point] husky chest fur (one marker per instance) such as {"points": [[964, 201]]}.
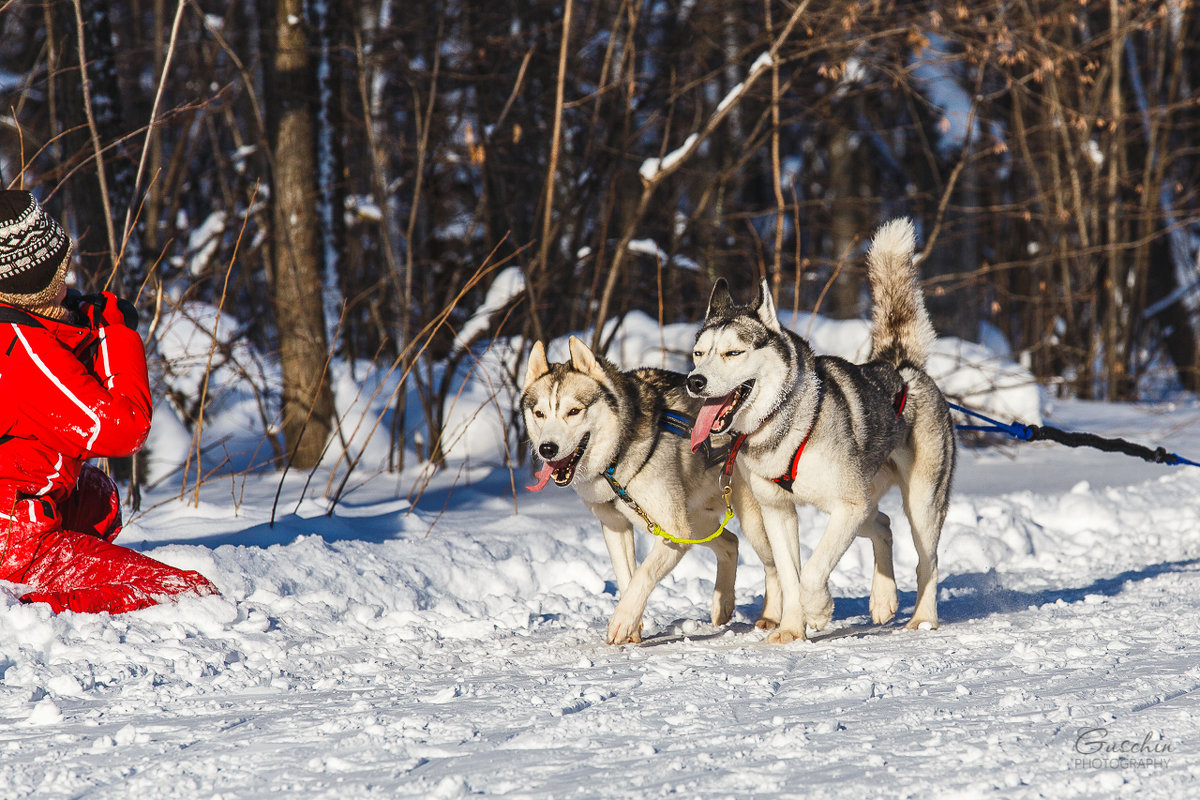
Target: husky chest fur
{"points": [[602, 432], [836, 435]]}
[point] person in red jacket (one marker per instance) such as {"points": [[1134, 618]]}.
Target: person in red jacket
{"points": [[73, 387]]}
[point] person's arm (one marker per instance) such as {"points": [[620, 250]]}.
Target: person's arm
{"points": [[86, 415]]}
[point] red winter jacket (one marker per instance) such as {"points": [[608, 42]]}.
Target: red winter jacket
{"points": [[67, 394]]}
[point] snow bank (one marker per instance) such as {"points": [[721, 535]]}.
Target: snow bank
{"points": [[480, 415], [972, 375], [198, 349]]}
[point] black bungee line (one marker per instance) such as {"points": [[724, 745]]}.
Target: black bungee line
{"points": [[1035, 433]]}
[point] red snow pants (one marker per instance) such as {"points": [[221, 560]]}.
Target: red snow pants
{"points": [[64, 551]]}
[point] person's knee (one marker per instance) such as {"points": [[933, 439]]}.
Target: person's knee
{"points": [[94, 507]]}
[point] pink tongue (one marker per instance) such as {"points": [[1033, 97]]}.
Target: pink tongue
{"points": [[543, 477], [705, 419]]}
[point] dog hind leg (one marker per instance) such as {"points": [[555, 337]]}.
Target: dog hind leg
{"points": [[884, 600], [926, 517]]}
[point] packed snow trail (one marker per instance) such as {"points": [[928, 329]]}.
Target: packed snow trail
{"points": [[372, 655]]}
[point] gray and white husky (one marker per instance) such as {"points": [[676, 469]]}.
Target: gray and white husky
{"points": [[586, 418], [820, 430]]}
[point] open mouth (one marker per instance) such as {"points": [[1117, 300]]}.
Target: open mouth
{"points": [[729, 404], [562, 470], [716, 414]]}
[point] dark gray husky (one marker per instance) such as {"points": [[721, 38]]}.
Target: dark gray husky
{"points": [[621, 439], [820, 430]]}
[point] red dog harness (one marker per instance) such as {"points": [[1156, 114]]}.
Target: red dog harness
{"points": [[786, 480]]}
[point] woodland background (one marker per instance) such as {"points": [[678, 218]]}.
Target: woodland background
{"points": [[347, 179]]}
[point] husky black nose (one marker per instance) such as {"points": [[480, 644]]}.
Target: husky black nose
{"points": [[548, 450], [696, 383]]}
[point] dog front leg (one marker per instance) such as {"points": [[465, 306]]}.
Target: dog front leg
{"points": [[751, 522], [626, 623], [781, 527], [844, 524], [618, 538], [725, 547]]}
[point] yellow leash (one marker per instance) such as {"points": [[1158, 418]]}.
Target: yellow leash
{"points": [[651, 525]]}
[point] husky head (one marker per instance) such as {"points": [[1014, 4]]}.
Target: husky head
{"points": [[743, 360], [572, 413]]}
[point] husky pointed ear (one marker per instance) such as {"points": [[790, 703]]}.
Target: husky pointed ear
{"points": [[538, 365], [720, 301], [765, 307], [584, 360]]}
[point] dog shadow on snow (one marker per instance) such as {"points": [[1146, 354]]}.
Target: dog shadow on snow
{"points": [[976, 595], [962, 598]]}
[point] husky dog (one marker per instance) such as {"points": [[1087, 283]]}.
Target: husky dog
{"points": [[586, 418], [822, 431]]}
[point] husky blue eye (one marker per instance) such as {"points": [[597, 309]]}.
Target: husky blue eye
{"points": [[733, 353]]}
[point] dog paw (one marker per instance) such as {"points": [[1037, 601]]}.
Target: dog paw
{"points": [[722, 608], [884, 605], [783, 635], [916, 624], [624, 630], [818, 608], [772, 610]]}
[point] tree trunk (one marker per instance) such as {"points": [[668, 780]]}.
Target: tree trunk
{"points": [[844, 229], [297, 260]]}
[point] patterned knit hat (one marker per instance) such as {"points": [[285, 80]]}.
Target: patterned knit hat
{"points": [[33, 249]]}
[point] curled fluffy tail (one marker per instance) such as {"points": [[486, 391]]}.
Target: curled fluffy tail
{"points": [[901, 331]]}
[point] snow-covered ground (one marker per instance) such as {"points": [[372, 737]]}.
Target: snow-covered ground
{"points": [[455, 648]]}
